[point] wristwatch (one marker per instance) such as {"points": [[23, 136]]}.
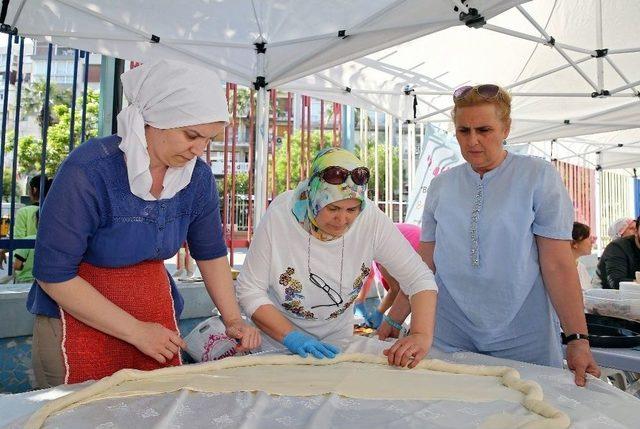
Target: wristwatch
{"points": [[566, 339]]}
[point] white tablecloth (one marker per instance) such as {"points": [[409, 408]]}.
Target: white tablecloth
{"points": [[596, 406]]}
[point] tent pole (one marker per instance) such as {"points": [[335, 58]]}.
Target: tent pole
{"points": [[400, 166], [288, 140], [598, 207], [252, 135], [557, 47], [366, 138], [623, 87], [274, 111], [303, 119], [599, 43], [234, 144], [225, 173], [411, 141], [388, 171], [376, 193], [309, 143], [622, 75], [261, 155], [322, 124], [623, 51], [542, 41]]}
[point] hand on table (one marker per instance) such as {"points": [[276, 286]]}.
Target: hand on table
{"points": [[409, 350], [303, 344], [249, 336], [581, 361], [156, 341]]}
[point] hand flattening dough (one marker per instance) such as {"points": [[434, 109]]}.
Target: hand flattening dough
{"points": [[286, 375]]}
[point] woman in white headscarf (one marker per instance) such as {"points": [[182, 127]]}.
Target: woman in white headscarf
{"points": [[117, 208]]}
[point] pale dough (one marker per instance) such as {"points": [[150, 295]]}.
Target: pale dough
{"points": [[345, 375]]}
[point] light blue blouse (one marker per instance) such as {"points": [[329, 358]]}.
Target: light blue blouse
{"points": [[486, 257]]}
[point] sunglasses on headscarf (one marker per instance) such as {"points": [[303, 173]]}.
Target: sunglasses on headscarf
{"points": [[486, 91], [335, 175]]}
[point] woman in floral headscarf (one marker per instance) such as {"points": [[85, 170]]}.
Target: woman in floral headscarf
{"points": [[311, 253]]}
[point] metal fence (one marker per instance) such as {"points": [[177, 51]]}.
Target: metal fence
{"points": [[16, 111]]}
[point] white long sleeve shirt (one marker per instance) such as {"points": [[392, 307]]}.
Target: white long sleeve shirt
{"points": [[282, 255]]}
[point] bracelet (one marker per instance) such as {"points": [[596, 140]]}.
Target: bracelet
{"points": [[566, 339], [393, 323]]}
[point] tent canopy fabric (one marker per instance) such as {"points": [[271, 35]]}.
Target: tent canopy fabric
{"points": [[300, 37], [261, 43], [573, 67]]}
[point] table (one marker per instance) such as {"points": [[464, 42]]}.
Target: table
{"points": [[599, 405]]}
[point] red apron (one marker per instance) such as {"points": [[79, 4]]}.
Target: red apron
{"points": [[142, 290]]}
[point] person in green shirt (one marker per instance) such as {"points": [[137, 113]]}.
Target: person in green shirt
{"points": [[23, 263], [26, 223]]}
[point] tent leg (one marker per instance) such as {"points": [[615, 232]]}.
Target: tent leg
{"points": [[261, 155]]}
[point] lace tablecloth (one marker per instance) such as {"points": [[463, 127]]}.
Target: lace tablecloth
{"points": [[596, 406]]}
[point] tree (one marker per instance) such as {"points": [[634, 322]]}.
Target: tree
{"points": [[281, 159], [242, 184], [32, 100], [30, 147], [395, 162], [6, 186]]}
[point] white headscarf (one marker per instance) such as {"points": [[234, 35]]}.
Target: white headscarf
{"points": [[165, 94]]}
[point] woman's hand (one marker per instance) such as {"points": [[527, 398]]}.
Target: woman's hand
{"points": [[387, 331], [156, 341], [581, 362], [409, 350], [249, 336]]}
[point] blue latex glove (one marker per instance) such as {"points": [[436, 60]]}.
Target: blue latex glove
{"points": [[374, 318], [303, 344], [360, 310]]}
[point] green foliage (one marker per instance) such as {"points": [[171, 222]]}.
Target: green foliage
{"points": [[242, 184], [281, 163], [281, 159], [359, 151], [32, 100], [30, 147], [6, 184]]}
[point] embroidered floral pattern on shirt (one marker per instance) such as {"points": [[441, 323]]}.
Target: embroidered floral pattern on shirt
{"points": [[357, 285], [293, 295]]}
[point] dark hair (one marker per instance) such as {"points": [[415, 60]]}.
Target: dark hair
{"points": [[34, 185], [638, 222], [580, 231]]}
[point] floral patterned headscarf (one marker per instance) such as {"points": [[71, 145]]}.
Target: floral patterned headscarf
{"points": [[312, 195]]}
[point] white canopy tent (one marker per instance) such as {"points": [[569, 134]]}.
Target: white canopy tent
{"points": [[250, 42], [573, 67]]}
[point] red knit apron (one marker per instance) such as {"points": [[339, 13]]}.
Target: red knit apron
{"points": [[142, 290]]}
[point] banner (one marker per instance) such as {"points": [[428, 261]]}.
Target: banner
{"points": [[440, 153]]}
